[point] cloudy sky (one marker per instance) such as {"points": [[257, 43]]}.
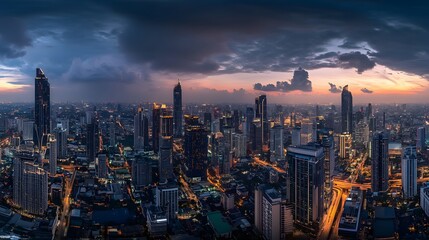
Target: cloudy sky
{"points": [[222, 51]]}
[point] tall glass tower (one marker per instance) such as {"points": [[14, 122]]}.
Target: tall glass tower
{"points": [[177, 110], [346, 110], [42, 109]]}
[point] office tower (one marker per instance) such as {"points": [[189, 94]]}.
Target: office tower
{"points": [[167, 197], [256, 135], [140, 130], [262, 114], [157, 111], [239, 145], [276, 143], [379, 162], [220, 154], [346, 110], [53, 148], [165, 158], [142, 167], [329, 165], [306, 185], [177, 110], [345, 145], [369, 112], [42, 109], [89, 116], [273, 216], [92, 140], [101, 165], [307, 132], [249, 120], [112, 134], [166, 125], [361, 135], [61, 140], [296, 136], [236, 120], [195, 149], [409, 172], [421, 139], [207, 121], [30, 184]]}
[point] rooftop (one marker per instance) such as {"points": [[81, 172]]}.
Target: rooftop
{"points": [[219, 223]]}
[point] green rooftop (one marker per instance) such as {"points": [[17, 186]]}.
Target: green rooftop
{"points": [[219, 223]]}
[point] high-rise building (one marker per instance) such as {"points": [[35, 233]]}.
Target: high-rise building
{"points": [[306, 185], [30, 184], [329, 165], [165, 158], [409, 172], [239, 145], [140, 130], [256, 135], [276, 143], [42, 109], [345, 145], [92, 140], [346, 110], [424, 198], [207, 121], [262, 113], [220, 153], [167, 197], [112, 134], [250, 114], [307, 131], [273, 216], [157, 111], [61, 140], [379, 162], [195, 148], [53, 148], [421, 139], [101, 165], [166, 125], [142, 167], [296, 136], [177, 110]]}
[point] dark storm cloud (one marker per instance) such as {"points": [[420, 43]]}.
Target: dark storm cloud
{"points": [[334, 89], [298, 82], [216, 37], [366, 90], [356, 60]]}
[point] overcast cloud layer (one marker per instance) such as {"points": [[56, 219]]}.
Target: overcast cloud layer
{"points": [[83, 44]]}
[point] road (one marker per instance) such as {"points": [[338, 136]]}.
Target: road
{"points": [[336, 224], [258, 161], [329, 218], [65, 216]]}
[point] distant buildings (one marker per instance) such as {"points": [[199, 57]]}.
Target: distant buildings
{"points": [[379, 162], [409, 172], [346, 110], [42, 109], [306, 181]]}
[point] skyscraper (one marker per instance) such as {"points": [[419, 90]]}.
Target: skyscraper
{"points": [[276, 143], [345, 145], [250, 114], [142, 168], [421, 139], [409, 172], [306, 185], [30, 184], [195, 148], [157, 111], [140, 130], [101, 165], [379, 164], [346, 110], [53, 148], [167, 197], [92, 140], [42, 109], [177, 110], [61, 140], [261, 113]]}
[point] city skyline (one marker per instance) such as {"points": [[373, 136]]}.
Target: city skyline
{"points": [[235, 50]]}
